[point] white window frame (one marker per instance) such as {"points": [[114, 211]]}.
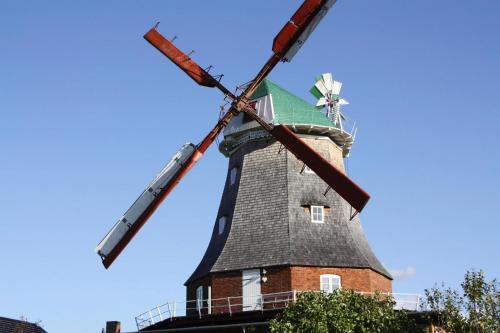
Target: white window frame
{"points": [[199, 298], [232, 175], [222, 224], [334, 283], [318, 217]]}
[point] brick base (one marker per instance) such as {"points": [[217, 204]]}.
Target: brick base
{"points": [[281, 279]]}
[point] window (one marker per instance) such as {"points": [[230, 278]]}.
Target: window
{"points": [[222, 224], [308, 170], [232, 175], [317, 214], [199, 298], [329, 283]]}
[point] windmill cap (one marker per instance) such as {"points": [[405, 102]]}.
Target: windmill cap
{"points": [[278, 106]]}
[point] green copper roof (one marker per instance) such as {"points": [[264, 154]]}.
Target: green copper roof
{"points": [[290, 109], [287, 109]]}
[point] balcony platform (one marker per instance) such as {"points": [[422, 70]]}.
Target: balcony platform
{"points": [[227, 314], [220, 322]]}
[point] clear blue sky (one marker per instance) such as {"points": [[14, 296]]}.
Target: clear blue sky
{"points": [[90, 112]]}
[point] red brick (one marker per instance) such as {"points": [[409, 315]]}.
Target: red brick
{"points": [[281, 279]]}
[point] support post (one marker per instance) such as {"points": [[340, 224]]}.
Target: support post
{"points": [[159, 313], [209, 300], [169, 312], [152, 321]]}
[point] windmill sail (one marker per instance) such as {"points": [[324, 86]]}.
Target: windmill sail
{"points": [[140, 211], [154, 194], [301, 25], [180, 58]]}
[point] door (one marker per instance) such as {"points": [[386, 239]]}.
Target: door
{"points": [[251, 290]]}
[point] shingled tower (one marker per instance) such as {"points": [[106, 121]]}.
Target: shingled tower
{"points": [[276, 230]]}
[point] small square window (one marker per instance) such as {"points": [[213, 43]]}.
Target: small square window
{"points": [[222, 224], [317, 214]]}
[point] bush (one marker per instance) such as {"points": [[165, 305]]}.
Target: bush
{"points": [[343, 312]]}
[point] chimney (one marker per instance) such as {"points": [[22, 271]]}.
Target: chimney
{"points": [[113, 327]]}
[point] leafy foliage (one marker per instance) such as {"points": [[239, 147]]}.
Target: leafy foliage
{"points": [[342, 311], [474, 310]]}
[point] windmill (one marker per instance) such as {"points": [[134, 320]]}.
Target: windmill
{"points": [[285, 45], [327, 91]]}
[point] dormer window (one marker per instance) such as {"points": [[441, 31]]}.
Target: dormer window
{"points": [[232, 175], [222, 224], [317, 214]]}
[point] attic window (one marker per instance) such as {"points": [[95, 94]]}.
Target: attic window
{"points": [[317, 214], [308, 170], [232, 175], [222, 224]]}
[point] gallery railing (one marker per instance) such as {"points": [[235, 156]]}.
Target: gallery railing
{"points": [[236, 304]]}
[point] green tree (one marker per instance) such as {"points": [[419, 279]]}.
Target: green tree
{"points": [[476, 309], [342, 312]]}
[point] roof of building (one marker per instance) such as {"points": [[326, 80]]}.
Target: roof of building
{"points": [[278, 106], [8, 325], [289, 108], [267, 223]]}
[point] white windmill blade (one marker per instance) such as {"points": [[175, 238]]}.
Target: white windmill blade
{"points": [[328, 81], [321, 101], [343, 102], [321, 87], [336, 87]]}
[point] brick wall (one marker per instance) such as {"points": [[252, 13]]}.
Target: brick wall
{"points": [[359, 279], [226, 285], [380, 282], [191, 294], [280, 279]]}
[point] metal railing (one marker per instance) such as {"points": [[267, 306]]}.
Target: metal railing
{"points": [[410, 302], [236, 304], [205, 307]]}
